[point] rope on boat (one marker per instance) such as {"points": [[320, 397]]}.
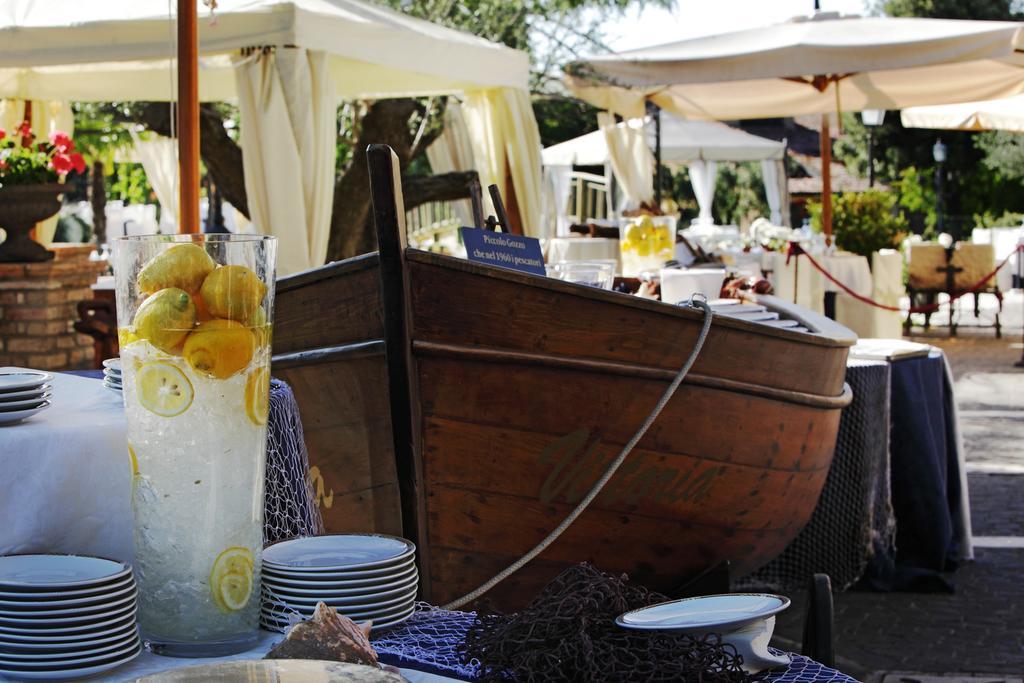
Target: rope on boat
{"points": [[694, 302]]}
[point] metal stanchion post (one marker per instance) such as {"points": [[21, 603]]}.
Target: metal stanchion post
{"points": [[1020, 284]]}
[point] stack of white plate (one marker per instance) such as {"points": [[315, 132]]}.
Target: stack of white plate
{"points": [[112, 373], [23, 393], [65, 616], [364, 576]]}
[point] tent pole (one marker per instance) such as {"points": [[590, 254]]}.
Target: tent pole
{"points": [[826, 179], [188, 119], [657, 156]]}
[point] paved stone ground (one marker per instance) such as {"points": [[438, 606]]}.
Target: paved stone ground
{"points": [[976, 630]]}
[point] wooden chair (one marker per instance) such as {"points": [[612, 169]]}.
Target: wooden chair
{"points": [[98, 319]]}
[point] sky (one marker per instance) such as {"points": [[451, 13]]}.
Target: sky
{"points": [[691, 18]]}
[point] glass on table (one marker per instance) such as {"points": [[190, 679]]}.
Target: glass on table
{"points": [[195, 315], [598, 273]]}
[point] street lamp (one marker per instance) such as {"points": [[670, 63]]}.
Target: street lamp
{"points": [[939, 154], [872, 118]]}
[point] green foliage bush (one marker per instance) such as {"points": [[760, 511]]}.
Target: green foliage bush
{"points": [[863, 222]]}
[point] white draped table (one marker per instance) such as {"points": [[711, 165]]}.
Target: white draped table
{"points": [[66, 485]]}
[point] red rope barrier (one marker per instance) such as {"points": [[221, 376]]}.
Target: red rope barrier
{"points": [[796, 250]]}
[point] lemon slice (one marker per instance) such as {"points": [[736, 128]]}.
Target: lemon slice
{"points": [[135, 461], [231, 578], [163, 389], [257, 395]]}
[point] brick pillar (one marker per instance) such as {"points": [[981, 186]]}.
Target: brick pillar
{"points": [[38, 307]]}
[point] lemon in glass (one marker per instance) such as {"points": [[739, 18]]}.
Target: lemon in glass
{"points": [[165, 318], [163, 389], [231, 579], [257, 396], [219, 348], [183, 266], [233, 292]]}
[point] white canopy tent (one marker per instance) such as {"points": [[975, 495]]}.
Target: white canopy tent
{"points": [[1006, 114], [309, 55], [701, 144], [814, 65]]}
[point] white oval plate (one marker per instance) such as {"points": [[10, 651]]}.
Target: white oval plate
{"points": [[704, 613], [112, 364], [382, 614], [62, 671], [332, 585], [39, 607], [9, 406], [113, 387], [363, 591], [22, 380], [61, 626], [42, 572], [338, 552], [93, 641], [339, 577], [103, 650], [350, 606], [56, 596], [12, 416], [281, 627], [19, 395], [106, 629], [70, 615]]}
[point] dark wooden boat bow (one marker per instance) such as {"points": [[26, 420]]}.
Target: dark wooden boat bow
{"points": [[469, 408]]}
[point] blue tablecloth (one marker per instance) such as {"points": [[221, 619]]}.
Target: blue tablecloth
{"points": [[428, 641], [927, 497]]}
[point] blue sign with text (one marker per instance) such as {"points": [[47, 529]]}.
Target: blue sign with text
{"points": [[505, 250]]}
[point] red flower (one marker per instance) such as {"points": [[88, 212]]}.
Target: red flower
{"points": [[3, 133], [61, 163], [24, 130], [3, 164], [62, 142], [78, 162]]}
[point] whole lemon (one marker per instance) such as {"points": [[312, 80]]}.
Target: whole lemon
{"points": [[165, 318], [184, 266], [233, 292], [220, 348]]}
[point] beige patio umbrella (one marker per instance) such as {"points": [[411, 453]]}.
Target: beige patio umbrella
{"points": [[814, 65], [1005, 114]]}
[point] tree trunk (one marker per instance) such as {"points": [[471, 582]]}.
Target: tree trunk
{"points": [[98, 199]]}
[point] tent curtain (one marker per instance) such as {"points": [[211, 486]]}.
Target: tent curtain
{"points": [[703, 175], [557, 188], [159, 158], [452, 151], [288, 126], [776, 190], [504, 135], [631, 160]]}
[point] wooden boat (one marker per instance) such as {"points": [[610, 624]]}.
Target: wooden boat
{"points": [[470, 407]]}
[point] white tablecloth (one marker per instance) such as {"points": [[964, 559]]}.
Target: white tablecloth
{"points": [[810, 285], [887, 287], [66, 483]]}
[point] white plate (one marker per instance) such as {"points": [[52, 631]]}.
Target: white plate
{"points": [[39, 606], [382, 615], [112, 364], [90, 642], [318, 579], [364, 606], [338, 552], [281, 627], [709, 612], [42, 572], [86, 592], [19, 415], [113, 387], [361, 591], [17, 379], [102, 650], [107, 629], [22, 404], [70, 669], [290, 585], [70, 615], [112, 376], [18, 395], [44, 627]]}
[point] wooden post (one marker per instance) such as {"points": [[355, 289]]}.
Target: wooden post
{"points": [[188, 118], [826, 179]]}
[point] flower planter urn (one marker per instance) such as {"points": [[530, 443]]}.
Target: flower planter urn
{"points": [[21, 207]]}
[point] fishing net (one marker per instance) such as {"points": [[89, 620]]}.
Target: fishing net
{"points": [[289, 505], [854, 517], [568, 633]]}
